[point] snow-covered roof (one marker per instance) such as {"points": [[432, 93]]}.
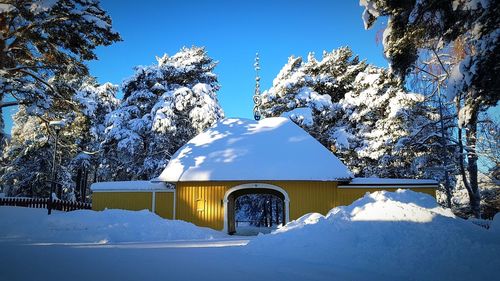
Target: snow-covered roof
{"points": [[241, 149], [128, 186], [377, 182]]}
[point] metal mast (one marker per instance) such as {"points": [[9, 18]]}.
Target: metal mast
{"points": [[256, 96]]}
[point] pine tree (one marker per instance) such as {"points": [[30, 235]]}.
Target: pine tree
{"points": [[359, 111], [27, 159], [44, 39], [96, 102], [164, 106], [416, 26]]}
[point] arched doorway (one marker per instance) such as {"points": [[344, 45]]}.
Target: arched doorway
{"points": [[252, 188]]}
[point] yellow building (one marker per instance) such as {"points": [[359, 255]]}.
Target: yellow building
{"points": [[238, 157]]}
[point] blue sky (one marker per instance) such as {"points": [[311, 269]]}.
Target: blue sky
{"points": [[232, 32]]}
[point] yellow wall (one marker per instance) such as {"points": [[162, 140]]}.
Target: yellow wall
{"points": [[212, 193], [309, 197], [135, 201], [121, 200], [313, 197], [348, 195], [305, 197], [165, 204]]}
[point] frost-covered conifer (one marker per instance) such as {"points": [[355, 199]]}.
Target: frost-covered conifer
{"points": [[95, 103], [44, 39], [28, 158], [164, 106], [414, 27], [358, 111]]}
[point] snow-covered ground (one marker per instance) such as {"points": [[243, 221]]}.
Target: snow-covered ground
{"points": [[85, 226], [243, 229], [400, 235]]}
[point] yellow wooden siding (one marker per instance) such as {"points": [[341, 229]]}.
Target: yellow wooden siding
{"points": [[121, 200], [165, 204], [348, 195], [305, 197], [202, 202], [309, 197], [211, 193]]}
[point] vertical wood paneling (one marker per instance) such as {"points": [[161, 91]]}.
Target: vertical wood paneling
{"points": [[309, 197], [305, 197], [165, 204], [121, 200], [348, 195], [212, 216]]}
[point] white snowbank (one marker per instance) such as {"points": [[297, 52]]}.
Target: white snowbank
{"points": [[240, 149], [128, 185], [386, 236], [401, 235], [85, 226], [495, 224]]}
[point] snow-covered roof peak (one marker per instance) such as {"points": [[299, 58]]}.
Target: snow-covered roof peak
{"points": [[241, 149]]}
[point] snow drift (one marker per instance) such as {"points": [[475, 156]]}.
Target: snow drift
{"points": [[85, 226], [394, 236], [495, 224]]}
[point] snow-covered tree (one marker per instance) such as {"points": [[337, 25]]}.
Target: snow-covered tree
{"points": [[43, 39], [392, 130], [488, 147], [28, 157], [431, 25], [357, 110], [164, 106], [96, 102]]}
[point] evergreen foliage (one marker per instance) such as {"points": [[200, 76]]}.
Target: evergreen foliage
{"points": [[27, 159], [359, 111], [44, 39], [164, 105], [431, 25]]}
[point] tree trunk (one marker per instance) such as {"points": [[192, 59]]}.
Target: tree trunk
{"points": [[95, 174], [2, 134], [470, 183], [471, 140], [84, 185], [3, 64], [265, 211], [447, 185], [277, 211], [271, 210], [78, 181]]}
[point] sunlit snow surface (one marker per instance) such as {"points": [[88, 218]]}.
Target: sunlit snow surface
{"points": [[241, 149], [400, 235]]}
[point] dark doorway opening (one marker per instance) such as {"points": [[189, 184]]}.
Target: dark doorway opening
{"points": [[255, 210]]}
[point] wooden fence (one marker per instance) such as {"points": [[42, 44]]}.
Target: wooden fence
{"points": [[60, 205]]}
